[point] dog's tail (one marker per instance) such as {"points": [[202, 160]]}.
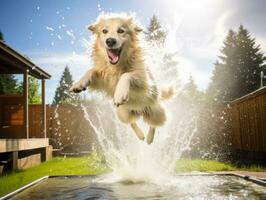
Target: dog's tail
{"points": [[167, 93]]}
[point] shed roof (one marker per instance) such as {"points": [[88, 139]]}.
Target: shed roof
{"points": [[12, 62], [253, 94]]}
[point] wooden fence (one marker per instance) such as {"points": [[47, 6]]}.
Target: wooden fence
{"points": [[66, 125], [246, 124], [249, 122]]}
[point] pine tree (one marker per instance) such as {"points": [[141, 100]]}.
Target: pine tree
{"points": [[223, 79], [62, 94], [251, 61], [237, 73], [169, 69], [155, 32], [165, 62], [191, 88], [192, 94], [1, 36], [8, 84]]}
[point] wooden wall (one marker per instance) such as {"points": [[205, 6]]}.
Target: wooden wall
{"points": [[66, 125], [35, 121], [249, 122], [11, 116]]}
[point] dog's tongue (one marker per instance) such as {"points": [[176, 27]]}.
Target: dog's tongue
{"points": [[112, 55]]}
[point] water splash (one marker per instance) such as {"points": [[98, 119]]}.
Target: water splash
{"points": [[132, 160]]}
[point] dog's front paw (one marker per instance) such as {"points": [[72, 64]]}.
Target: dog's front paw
{"points": [[121, 96], [78, 87]]}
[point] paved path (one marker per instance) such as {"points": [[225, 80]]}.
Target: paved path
{"points": [[258, 175]]}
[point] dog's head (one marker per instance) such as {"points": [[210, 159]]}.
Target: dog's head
{"points": [[115, 34]]}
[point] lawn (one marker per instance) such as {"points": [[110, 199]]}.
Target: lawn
{"points": [[187, 165], [91, 165], [56, 166]]}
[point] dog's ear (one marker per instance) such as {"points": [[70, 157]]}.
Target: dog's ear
{"points": [[92, 27], [138, 28], [134, 25]]}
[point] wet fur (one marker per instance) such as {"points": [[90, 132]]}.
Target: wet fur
{"points": [[129, 82]]}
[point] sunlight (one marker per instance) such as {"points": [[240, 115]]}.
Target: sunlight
{"points": [[186, 23], [189, 7]]}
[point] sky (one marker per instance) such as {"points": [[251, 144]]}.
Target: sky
{"points": [[53, 34]]}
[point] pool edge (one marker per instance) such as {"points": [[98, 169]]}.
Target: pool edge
{"points": [[247, 178], [15, 192]]}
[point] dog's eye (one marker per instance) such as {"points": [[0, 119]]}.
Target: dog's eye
{"points": [[120, 30], [105, 31]]}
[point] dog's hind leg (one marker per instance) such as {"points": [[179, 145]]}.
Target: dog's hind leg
{"points": [[138, 131], [150, 135], [155, 117], [130, 117]]}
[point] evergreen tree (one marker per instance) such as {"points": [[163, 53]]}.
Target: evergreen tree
{"points": [[62, 94], [8, 84], [155, 32], [192, 94], [251, 61], [191, 88], [165, 62], [169, 70], [237, 73], [1, 36]]}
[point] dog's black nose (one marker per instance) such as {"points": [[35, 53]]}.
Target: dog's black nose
{"points": [[110, 42]]}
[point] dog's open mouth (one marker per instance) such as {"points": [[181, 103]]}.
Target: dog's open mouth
{"points": [[114, 55]]}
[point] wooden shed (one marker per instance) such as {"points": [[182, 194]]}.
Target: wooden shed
{"points": [[249, 127], [17, 147]]}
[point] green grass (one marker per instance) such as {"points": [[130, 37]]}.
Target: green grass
{"points": [[186, 165], [56, 166], [91, 165]]}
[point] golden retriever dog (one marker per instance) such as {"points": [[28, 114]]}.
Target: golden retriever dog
{"points": [[120, 71]]}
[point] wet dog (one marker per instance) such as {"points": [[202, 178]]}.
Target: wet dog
{"points": [[120, 71]]}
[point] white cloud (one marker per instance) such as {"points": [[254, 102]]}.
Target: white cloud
{"points": [[262, 42], [78, 63], [187, 68], [207, 49]]}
